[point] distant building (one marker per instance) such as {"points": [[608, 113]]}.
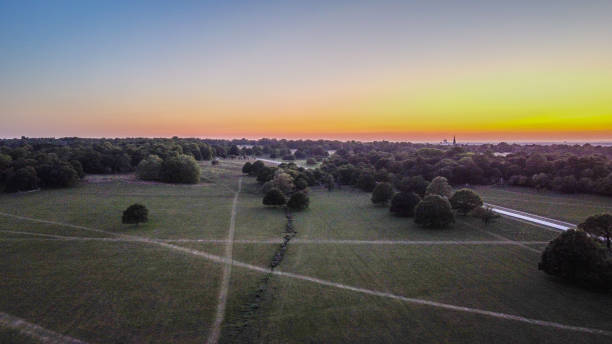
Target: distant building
{"points": [[454, 140]]}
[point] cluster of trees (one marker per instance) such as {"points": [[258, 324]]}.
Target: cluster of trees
{"points": [[174, 169], [434, 207], [411, 167], [565, 168], [285, 185]]}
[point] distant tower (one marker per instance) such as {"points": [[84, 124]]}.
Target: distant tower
{"points": [[454, 141]]}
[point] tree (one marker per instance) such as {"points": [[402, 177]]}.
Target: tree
{"points": [[439, 186], [135, 214], [274, 197], [57, 174], [486, 214], [329, 182], [310, 161], [366, 182], [255, 167], [298, 201], [403, 203], [465, 200], [234, 150], [576, 257], [284, 182], [181, 169], [23, 179], [382, 193], [434, 211], [598, 225], [149, 168], [246, 168], [416, 184]]}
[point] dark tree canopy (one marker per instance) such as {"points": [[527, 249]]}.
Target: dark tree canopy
{"points": [[465, 200], [382, 193], [576, 257], [366, 182], [246, 168], [274, 197], [434, 211], [181, 169], [439, 186], [24, 179], [298, 201], [149, 168], [135, 214], [598, 225], [403, 203]]}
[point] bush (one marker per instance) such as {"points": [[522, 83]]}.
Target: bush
{"points": [[576, 257], [246, 168], [486, 214], [298, 201], [136, 213], [149, 168], [403, 203], [465, 200], [382, 193], [181, 169], [311, 161], [439, 186], [434, 211], [274, 197]]}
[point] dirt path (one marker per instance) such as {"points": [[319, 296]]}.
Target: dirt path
{"points": [[34, 331], [229, 261], [215, 332], [562, 225]]}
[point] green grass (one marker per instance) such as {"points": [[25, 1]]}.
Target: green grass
{"points": [[137, 292], [574, 208]]}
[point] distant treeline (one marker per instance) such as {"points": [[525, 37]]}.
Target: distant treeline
{"points": [[30, 163]]}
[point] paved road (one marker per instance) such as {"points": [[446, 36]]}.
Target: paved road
{"points": [[541, 220]]}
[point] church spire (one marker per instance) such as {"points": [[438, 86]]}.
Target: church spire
{"points": [[454, 141]]}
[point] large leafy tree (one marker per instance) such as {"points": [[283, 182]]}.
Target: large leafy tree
{"points": [[465, 200], [434, 211], [382, 193], [180, 169], [274, 197], [403, 203], [298, 201], [576, 257], [439, 186]]}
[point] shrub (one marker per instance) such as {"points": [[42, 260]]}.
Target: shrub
{"points": [[486, 214], [298, 201], [576, 257], [180, 169], [465, 200], [439, 186], [311, 161], [274, 197], [433, 211], [246, 168], [136, 213], [403, 203], [149, 168], [382, 193]]}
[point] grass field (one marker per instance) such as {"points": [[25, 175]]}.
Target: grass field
{"points": [[573, 208], [106, 291]]}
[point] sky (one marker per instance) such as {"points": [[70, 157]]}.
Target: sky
{"points": [[364, 70]]}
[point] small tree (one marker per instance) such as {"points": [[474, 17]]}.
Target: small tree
{"points": [[135, 214], [403, 203], [298, 201], [434, 211], [486, 214], [599, 225], [465, 200], [246, 168], [439, 186], [576, 257], [382, 193], [329, 182], [274, 198], [366, 182]]}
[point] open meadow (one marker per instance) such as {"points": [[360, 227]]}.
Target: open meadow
{"points": [[353, 273]]}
